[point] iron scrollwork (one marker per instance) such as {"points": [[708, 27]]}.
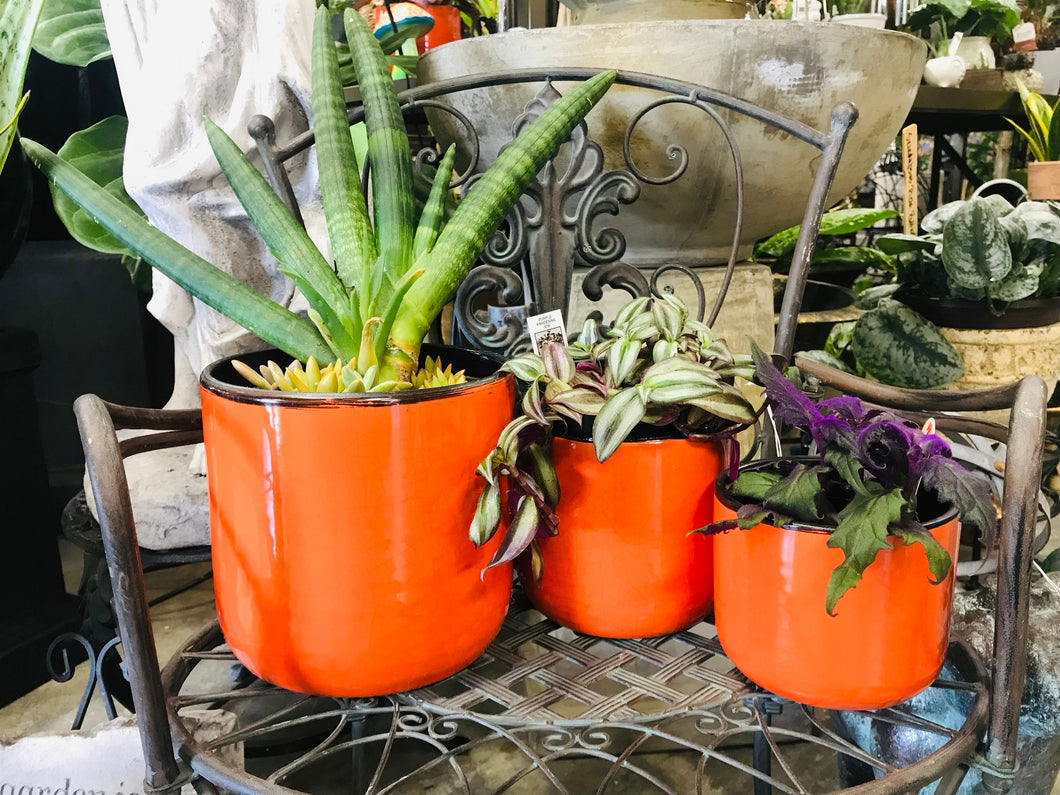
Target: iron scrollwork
{"points": [[544, 239]]}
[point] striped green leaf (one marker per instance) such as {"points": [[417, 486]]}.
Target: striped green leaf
{"points": [[345, 210], [286, 239], [18, 19], [392, 183]]}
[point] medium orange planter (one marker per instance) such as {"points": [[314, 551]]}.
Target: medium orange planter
{"points": [[886, 642], [623, 564], [339, 526]]}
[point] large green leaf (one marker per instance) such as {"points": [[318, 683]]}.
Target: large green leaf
{"points": [[72, 32], [897, 346], [975, 248], [861, 534], [98, 153], [18, 18], [837, 222]]}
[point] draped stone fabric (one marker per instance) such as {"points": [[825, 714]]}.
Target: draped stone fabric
{"points": [[227, 60]]}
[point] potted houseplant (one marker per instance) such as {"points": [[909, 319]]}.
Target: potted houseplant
{"points": [[644, 412], [981, 23], [1043, 144], [987, 274], [836, 590], [337, 548]]}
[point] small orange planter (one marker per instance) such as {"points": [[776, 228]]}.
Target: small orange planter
{"points": [[623, 564], [886, 642], [339, 527]]}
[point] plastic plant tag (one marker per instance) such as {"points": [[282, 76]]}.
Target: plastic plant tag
{"points": [[955, 42], [546, 327]]}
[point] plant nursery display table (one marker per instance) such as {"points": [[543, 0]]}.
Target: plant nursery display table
{"points": [[546, 710]]}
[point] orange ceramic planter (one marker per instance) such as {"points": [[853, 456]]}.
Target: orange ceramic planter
{"points": [[623, 564], [886, 642], [339, 527]]}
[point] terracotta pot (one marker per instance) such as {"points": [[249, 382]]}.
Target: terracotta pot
{"points": [[623, 564], [886, 642], [1043, 180], [339, 528]]}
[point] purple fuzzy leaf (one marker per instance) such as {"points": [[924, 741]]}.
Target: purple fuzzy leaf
{"points": [[845, 407], [789, 404], [883, 449], [967, 491]]}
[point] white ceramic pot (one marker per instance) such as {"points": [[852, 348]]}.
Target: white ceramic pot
{"points": [[947, 72], [1048, 63], [976, 52]]}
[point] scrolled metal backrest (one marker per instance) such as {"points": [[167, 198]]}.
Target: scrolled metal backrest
{"points": [[97, 422], [532, 263]]}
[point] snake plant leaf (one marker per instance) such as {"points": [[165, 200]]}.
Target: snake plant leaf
{"points": [[975, 249], [18, 20], [97, 152], [392, 179], [271, 322], [898, 346], [72, 32], [287, 240], [617, 418], [433, 216], [861, 533], [353, 242]]}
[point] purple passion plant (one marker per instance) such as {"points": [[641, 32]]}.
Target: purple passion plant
{"points": [[654, 365], [873, 466]]}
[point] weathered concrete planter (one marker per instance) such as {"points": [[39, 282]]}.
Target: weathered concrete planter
{"points": [[798, 69], [593, 12]]}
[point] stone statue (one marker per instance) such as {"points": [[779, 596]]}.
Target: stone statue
{"points": [[226, 60], [178, 63]]}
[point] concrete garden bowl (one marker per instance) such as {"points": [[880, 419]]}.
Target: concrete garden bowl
{"points": [[802, 70]]}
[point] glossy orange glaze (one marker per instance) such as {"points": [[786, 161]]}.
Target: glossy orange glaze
{"points": [[623, 564], [886, 642], [341, 560]]}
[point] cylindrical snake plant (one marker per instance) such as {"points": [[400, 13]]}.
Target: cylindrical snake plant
{"points": [[391, 277]]}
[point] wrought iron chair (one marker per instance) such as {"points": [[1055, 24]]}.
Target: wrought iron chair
{"points": [[542, 695]]}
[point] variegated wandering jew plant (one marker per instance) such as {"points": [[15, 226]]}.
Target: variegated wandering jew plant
{"points": [[654, 365], [371, 308], [873, 467]]}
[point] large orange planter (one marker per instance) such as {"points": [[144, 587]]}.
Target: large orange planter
{"points": [[886, 642], [623, 564], [339, 527]]}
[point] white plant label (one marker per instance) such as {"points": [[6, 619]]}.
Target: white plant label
{"points": [[546, 327]]}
